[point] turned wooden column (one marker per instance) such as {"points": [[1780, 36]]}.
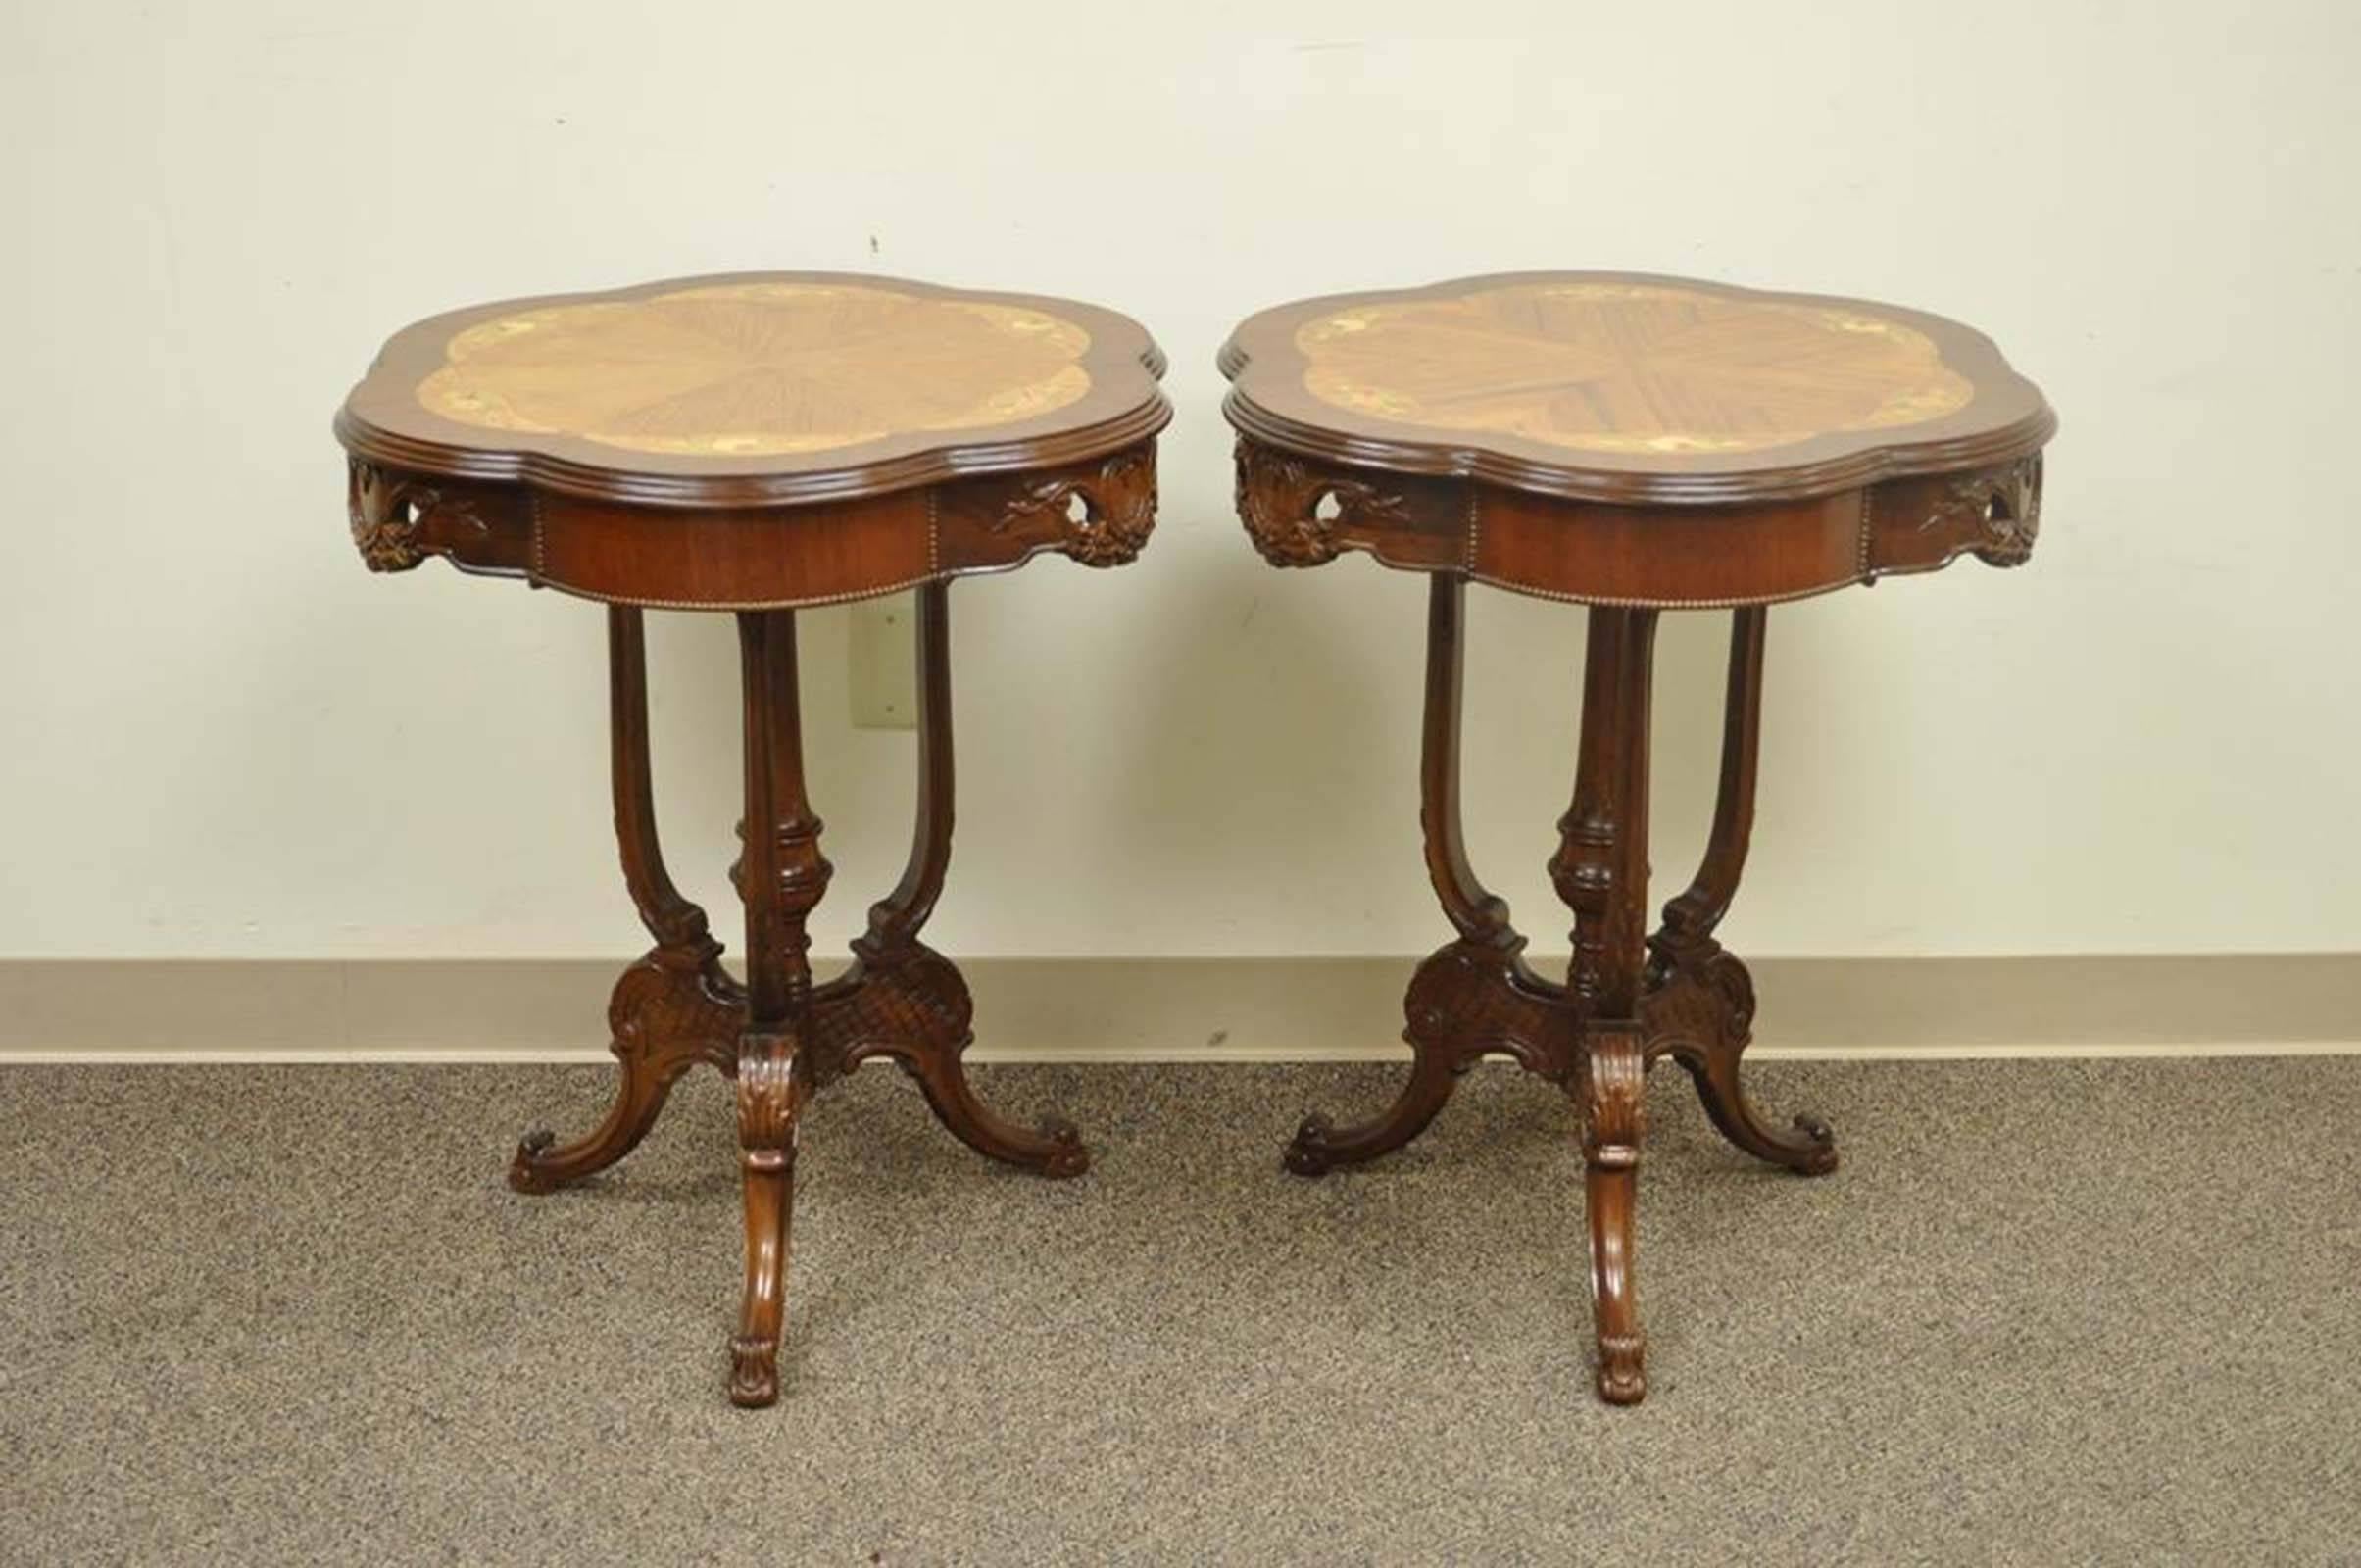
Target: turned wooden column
{"points": [[782, 876], [1601, 871]]}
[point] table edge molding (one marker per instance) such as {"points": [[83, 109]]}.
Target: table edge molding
{"points": [[2027, 423], [1475, 460], [542, 471]]}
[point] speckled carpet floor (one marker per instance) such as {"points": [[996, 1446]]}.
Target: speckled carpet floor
{"points": [[2072, 1312]]}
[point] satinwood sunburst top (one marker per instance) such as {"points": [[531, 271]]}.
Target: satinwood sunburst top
{"points": [[1619, 386], [757, 386]]}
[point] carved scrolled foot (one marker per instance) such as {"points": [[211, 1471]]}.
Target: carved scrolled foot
{"points": [[1321, 1145], [1622, 1374], [529, 1170], [1065, 1155], [1819, 1138], [1308, 1152], [754, 1373]]}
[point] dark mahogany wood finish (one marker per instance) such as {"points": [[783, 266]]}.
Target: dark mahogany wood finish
{"points": [[710, 477], [1636, 444]]}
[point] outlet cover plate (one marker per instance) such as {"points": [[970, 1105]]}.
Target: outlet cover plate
{"points": [[884, 664]]}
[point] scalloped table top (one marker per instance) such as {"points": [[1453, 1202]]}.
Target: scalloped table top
{"points": [[1620, 386], [790, 385]]}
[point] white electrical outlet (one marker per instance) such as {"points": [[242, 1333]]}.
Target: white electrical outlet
{"points": [[884, 664]]}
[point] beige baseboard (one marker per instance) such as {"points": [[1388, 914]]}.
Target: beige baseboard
{"points": [[1174, 1009]]}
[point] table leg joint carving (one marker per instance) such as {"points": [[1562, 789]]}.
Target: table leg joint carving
{"points": [[1117, 512], [1473, 999], [1994, 515], [1293, 509], [397, 520]]}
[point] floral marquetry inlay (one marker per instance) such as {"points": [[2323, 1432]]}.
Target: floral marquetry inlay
{"points": [[759, 369], [1634, 368]]}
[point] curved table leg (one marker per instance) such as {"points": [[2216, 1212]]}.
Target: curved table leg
{"points": [[1472, 998], [1693, 979], [1478, 914], [772, 1089], [1319, 1146], [675, 1006], [1690, 917], [927, 1031], [896, 919], [1809, 1149], [1052, 1149], [1600, 870], [542, 1164], [666, 1016], [1474, 994], [782, 876], [1615, 1079]]}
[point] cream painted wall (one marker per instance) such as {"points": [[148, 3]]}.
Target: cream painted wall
{"points": [[224, 739]]}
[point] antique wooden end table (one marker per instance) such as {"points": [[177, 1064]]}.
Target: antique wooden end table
{"points": [[1636, 444], [758, 443]]}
